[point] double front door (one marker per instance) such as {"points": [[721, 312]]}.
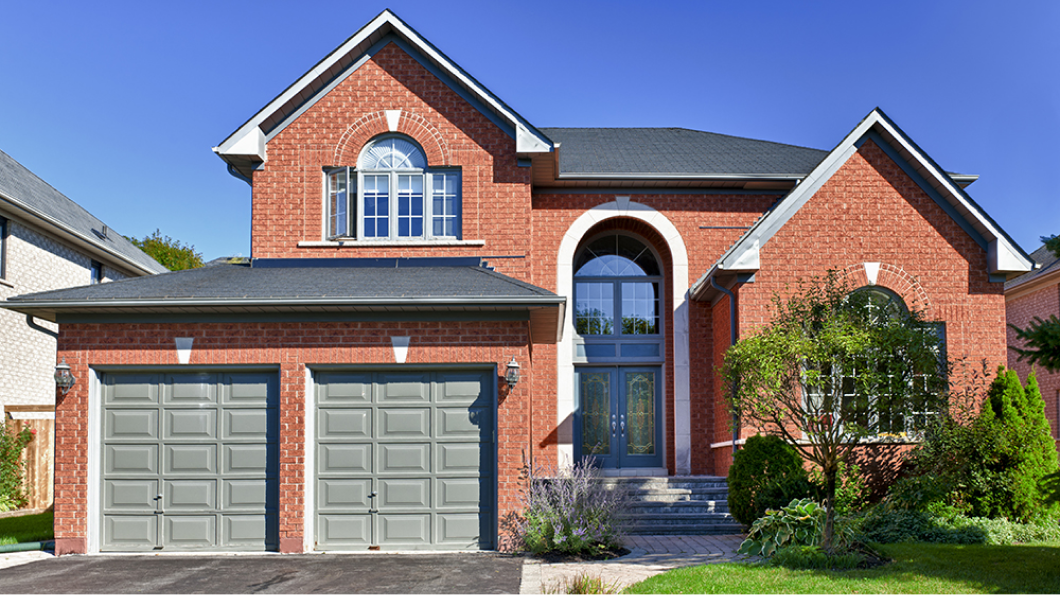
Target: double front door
{"points": [[619, 416]]}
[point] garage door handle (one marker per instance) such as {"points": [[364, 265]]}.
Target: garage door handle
{"points": [[158, 496]]}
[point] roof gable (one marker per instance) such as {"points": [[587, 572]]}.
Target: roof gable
{"points": [[246, 146], [1004, 257]]}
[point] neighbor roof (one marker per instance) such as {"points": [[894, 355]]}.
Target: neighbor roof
{"points": [[30, 196], [1047, 263], [310, 285], [654, 152]]}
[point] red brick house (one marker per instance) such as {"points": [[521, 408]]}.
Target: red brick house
{"points": [[1036, 294], [413, 236]]}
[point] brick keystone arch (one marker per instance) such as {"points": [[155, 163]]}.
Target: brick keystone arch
{"points": [[892, 277], [349, 146]]}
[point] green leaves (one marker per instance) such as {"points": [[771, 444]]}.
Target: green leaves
{"points": [[168, 252], [798, 523]]}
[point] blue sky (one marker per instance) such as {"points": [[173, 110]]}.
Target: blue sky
{"points": [[117, 104]]}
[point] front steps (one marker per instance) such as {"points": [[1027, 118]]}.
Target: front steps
{"points": [[676, 505]]}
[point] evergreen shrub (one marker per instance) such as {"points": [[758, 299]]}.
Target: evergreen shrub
{"points": [[766, 473], [12, 441]]}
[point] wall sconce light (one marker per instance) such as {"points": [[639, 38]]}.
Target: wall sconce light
{"points": [[64, 379], [512, 375]]}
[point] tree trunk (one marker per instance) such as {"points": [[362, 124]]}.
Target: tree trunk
{"points": [[829, 504]]}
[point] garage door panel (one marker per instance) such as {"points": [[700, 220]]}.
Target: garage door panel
{"points": [[254, 389], [338, 530], [132, 459], [349, 495], [190, 425], [460, 493], [246, 459], [132, 389], [403, 459], [344, 459], [190, 532], [461, 530], [189, 495], [344, 389], [465, 424], [189, 389], [130, 495], [130, 533], [462, 388], [189, 459], [247, 424], [403, 388], [463, 459], [248, 532], [344, 424], [410, 530], [131, 425], [406, 494], [404, 424], [244, 495]]}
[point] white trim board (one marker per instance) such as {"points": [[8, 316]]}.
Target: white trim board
{"points": [[565, 406]]}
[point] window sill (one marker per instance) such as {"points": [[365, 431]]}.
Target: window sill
{"points": [[388, 243]]}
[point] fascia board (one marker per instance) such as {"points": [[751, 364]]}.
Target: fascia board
{"points": [[1033, 284], [574, 176], [57, 227], [411, 302], [532, 141]]}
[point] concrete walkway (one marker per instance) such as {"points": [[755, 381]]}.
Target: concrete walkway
{"points": [[649, 555]]}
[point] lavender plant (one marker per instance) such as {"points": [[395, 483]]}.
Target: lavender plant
{"points": [[567, 511]]}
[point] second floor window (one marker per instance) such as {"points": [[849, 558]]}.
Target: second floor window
{"points": [[393, 195], [97, 272]]}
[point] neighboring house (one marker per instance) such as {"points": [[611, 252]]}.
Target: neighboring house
{"points": [[412, 236], [48, 242], [1036, 293]]}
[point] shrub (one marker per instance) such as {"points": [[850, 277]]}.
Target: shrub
{"points": [[567, 511], [851, 493], [12, 495], [884, 524], [798, 523], [765, 473]]}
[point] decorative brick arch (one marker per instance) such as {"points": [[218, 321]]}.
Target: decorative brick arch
{"points": [[408, 123], [891, 277]]}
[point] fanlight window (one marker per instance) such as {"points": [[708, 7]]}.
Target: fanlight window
{"points": [[616, 289], [393, 195]]}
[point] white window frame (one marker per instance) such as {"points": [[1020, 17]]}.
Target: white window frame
{"points": [[352, 219]]}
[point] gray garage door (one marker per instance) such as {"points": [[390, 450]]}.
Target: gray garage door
{"points": [[190, 462], [405, 460]]}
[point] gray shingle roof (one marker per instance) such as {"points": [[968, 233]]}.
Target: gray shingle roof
{"points": [[24, 189], [1042, 256], [675, 151], [374, 283]]}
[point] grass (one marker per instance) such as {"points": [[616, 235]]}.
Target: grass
{"points": [[32, 527], [917, 568]]}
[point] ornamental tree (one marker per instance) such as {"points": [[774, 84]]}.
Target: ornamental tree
{"points": [[834, 369]]}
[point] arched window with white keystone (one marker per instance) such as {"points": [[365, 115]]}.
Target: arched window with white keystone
{"points": [[392, 194]]}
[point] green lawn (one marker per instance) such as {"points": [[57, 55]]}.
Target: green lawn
{"points": [[33, 527], [917, 568]]}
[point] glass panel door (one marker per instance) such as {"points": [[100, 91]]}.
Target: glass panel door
{"points": [[618, 419]]}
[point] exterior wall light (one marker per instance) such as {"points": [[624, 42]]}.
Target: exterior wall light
{"points": [[512, 375], [64, 379]]}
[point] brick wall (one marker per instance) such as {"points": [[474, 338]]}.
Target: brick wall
{"points": [[34, 261], [871, 211], [288, 205], [292, 347], [1022, 305]]}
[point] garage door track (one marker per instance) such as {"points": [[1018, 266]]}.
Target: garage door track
{"points": [[363, 573]]}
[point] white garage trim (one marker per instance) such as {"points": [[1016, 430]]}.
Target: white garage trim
{"points": [[309, 454], [623, 207]]}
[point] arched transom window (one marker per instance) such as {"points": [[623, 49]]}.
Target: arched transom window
{"points": [[393, 194], [616, 288]]}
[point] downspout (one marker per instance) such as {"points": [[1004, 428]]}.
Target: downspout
{"points": [[235, 174], [732, 341]]}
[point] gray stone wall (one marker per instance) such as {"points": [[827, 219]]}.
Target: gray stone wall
{"points": [[35, 262]]}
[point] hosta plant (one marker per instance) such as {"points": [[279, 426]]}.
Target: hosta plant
{"points": [[798, 523]]}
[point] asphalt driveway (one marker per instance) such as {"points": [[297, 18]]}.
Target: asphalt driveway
{"points": [[362, 573]]}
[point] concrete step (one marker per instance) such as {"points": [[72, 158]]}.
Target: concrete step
{"points": [[682, 507], [689, 529], [676, 505]]}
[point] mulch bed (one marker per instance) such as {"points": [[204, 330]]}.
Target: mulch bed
{"points": [[558, 558]]}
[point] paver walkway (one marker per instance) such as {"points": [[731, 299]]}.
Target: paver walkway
{"points": [[649, 555]]}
